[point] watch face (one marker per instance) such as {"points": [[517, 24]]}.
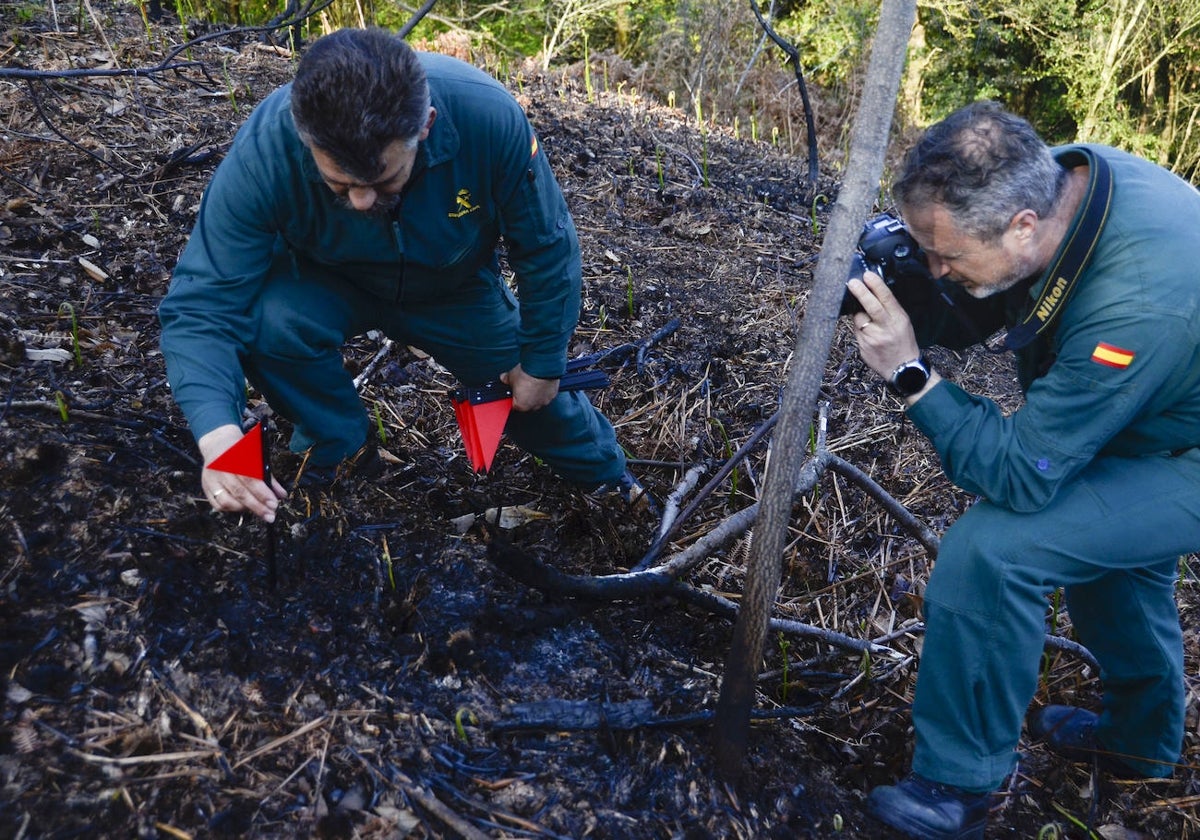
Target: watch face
{"points": [[910, 379]]}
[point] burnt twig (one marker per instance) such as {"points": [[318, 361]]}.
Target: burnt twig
{"points": [[809, 123], [586, 716]]}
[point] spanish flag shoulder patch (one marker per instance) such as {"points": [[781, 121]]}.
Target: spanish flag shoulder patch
{"points": [[533, 147], [1112, 356]]}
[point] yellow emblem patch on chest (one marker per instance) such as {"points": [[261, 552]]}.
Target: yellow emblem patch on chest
{"points": [[462, 205]]}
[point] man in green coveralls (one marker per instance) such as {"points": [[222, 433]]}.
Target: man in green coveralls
{"points": [[372, 193], [1092, 485]]}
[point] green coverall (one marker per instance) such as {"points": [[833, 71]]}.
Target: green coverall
{"points": [[1092, 485], [278, 274]]}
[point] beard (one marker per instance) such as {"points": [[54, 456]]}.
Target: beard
{"points": [[994, 287], [381, 209], [1022, 272]]}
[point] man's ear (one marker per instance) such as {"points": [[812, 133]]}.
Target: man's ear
{"points": [[1024, 224], [428, 124]]}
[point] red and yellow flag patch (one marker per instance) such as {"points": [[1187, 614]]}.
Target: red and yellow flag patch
{"points": [[533, 146], [1112, 356]]}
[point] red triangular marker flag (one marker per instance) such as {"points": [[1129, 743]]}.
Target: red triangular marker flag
{"points": [[462, 413], [243, 458], [481, 425], [490, 418]]}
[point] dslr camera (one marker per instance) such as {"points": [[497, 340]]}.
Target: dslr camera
{"points": [[886, 248]]}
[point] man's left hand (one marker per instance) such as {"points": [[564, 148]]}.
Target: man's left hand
{"points": [[529, 392]]}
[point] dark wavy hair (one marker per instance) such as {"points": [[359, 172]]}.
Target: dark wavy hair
{"points": [[984, 165], [356, 92]]}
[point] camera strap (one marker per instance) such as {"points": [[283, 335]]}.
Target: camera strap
{"points": [[1060, 278]]}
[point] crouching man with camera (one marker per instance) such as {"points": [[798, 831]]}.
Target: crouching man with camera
{"points": [[1087, 256]]}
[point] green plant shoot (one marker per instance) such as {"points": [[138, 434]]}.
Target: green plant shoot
{"points": [[459, 727], [728, 453], [813, 220], [629, 290], [587, 70], [387, 562], [784, 646], [66, 309], [379, 429]]}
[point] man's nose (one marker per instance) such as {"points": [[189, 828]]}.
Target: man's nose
{"points": [[361, 198], [936, 267]]}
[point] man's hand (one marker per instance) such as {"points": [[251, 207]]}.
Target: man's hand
{"points": [[883, 330], [529, 392], [231, 493]]}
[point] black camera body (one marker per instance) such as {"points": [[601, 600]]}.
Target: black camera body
{"points": [[886, 248]]}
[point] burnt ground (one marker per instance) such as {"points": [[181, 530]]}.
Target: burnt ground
{"points": [[156, 685]]}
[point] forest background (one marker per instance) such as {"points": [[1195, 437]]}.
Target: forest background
{"points": [[1121, 72]]}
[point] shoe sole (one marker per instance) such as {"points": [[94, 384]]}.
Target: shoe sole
{"points": [[974, 831]]}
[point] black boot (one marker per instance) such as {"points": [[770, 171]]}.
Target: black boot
{"points": [[363, 465], [930, 811], [1071, 732]]}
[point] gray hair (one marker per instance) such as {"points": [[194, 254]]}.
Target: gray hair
{"points": [[356, 92], [984, 165]]}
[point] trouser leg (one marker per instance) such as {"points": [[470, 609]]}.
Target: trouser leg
{"points": [[985, 608], [475, 336], [984, 619], [1129, 621], [296, 361]]}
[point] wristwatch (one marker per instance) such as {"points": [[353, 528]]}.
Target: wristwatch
{"points": [[910, 377]]}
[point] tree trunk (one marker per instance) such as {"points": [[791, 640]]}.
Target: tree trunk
{"points": [[859, 190]]}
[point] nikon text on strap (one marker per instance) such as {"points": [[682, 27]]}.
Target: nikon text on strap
{"points": [[1061, 277]]}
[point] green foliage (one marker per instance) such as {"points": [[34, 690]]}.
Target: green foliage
{"points": [[994, 49], [832, 38], [1121, 73], [1116, 73]]}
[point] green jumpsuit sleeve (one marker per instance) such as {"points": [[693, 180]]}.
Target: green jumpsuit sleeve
{"points": [[1118, 373], [1074, 412], [206, 313], [543, 252]]}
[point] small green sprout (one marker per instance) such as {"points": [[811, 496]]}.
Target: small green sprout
{"points": [[387, 561], [728, 453], [379, 429], [66, 309], [587, 70], [629, 290], [459, 727], [812, 213], [784, 646]]}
